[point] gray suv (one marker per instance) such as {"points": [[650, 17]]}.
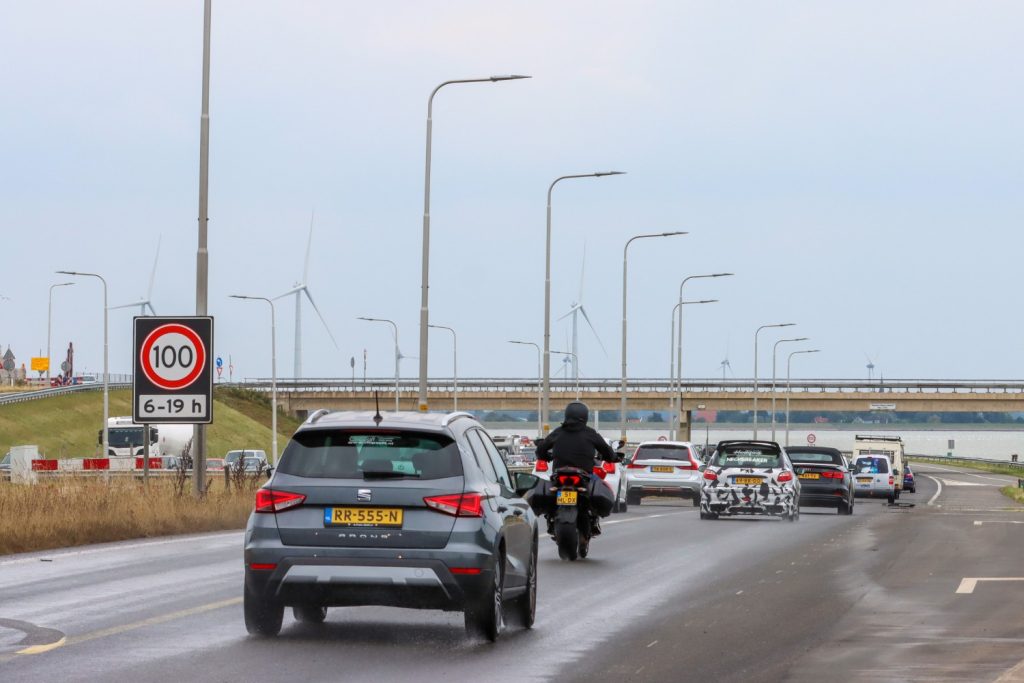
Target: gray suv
{"points": [[406, 510]]}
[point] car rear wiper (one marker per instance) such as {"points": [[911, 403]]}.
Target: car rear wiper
{"points": [[388, 475]]}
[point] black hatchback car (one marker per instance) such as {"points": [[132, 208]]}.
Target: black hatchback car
{"points": [[825, 478], [406, 510]]}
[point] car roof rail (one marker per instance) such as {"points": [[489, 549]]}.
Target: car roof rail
{"points": [[316, 415], [452, 417]]}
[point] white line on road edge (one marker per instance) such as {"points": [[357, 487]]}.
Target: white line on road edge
{"points": [[42, 554], [931, 501], [967, 585], [637, 519], [978, 522]]}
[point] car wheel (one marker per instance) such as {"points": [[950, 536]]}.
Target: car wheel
{"points": [[310, 614], [633, 497], [708, 515], [486, 618], [526, 604], [892, 499], [262, 617]]}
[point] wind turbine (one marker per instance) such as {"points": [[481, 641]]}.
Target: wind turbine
{"points": [[871, 366], [298, 290], [146, 303], [575, 310]]}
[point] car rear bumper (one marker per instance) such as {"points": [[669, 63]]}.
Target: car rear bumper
{"points": [[736, 500], [833, 498], [348, 582], [673, 487]]}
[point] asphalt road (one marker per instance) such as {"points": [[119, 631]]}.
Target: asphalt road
{"points": [[664, 597]]}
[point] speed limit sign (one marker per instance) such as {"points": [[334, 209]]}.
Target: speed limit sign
{"points": [[811, 438], [173, 379]]}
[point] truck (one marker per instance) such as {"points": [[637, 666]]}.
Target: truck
{"points": [[125, 438], [889, 446]]}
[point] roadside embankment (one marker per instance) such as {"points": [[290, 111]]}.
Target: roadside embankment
{"points": [[1014, 493], [73, 512]]}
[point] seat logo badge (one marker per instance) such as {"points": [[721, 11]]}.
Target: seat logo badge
{"points": [[364, 495]]}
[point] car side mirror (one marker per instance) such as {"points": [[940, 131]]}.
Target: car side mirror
{"points": [[524, 482], [270, 471]]}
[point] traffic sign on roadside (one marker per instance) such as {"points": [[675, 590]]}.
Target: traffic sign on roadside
{"points": [[173, 379], [811, 438]]}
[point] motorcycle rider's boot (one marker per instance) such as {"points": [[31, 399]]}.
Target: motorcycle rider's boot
{"points": [[595, 527]]}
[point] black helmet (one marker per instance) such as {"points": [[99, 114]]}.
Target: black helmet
{"points": [[576, 413]]}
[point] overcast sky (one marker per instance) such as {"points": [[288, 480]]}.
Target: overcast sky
{"points": [[858, 165]]}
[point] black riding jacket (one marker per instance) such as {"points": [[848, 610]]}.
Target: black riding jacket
{"points": [[575, 445]]}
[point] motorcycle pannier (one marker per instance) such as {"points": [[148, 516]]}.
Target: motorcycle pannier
{"points": [[601, 497]]}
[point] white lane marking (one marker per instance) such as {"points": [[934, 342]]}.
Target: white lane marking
{"points": [[1008, 479], [43, 555], [642, 517], [957, 482], [739, 592], [967, 584], [931, 501], [979, 522], [652, 643]]}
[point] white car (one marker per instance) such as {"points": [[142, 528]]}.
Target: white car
{"points": [[873, 478], [750, 477], [610, 473], [663, 468], [232, 457]]}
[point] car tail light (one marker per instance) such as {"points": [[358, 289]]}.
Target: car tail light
{"points": [[465, 571], [710, 476], [684, 467], [458, 504], [541, 466], [273, 501], [635, 466], [784, 476], [263, 566], [890, 480], [609, 467], [832, 475], [600, 473]]}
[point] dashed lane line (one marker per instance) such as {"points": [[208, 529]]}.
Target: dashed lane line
{"points": [[979, 522], [968, 584]]}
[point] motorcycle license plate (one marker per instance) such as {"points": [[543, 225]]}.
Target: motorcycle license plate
{"points": [[566, 498]]}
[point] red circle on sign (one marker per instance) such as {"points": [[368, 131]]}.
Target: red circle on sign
{"points": [[199, 362], [811, 438]]}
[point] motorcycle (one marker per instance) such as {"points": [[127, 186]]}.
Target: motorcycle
{"points": [[573, 521]]}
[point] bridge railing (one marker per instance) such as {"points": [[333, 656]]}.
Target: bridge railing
{"points": [[21, 396]]}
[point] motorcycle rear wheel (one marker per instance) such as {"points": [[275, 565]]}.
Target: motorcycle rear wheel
{"points": [[567, 540]]}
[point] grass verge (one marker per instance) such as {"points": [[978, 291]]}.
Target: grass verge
{"points": [[980, 466], [73, 512], [1014, 493]]}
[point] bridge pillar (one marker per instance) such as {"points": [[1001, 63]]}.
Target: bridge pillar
{"points": [[684, 424]]}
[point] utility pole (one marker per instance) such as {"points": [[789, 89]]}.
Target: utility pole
{"points": [[202, 254]]}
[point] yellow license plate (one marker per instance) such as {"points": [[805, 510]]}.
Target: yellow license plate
{"points": [[566, 497], [865, 480], [661, 468], [363, 516], [810, 475], [748, 481]]}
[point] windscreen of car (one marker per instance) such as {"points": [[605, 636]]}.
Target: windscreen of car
{"points": [[371, 454], [817, 457], [871, 465], [656, 452], [6, 460], [747, 457]]}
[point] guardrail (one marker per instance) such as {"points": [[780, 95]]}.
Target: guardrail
{"points": [[22, 396], [952, 460]]}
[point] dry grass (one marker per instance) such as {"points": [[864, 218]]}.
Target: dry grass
{"points": [[72, 512], [1013, 492]]}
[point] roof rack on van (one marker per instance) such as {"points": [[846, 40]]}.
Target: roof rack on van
{"points": [[452, 417], [316, 415], [877, 437]]}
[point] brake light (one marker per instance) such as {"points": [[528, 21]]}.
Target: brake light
{"points": [[684, 467], [457, 504], [273, 501], [466, 571], [542, 466], [890, 480], [609, 467], [710, 476], [569, 479], [832, 475], [600, 473], [263, 566], [784, 476], [635, 466]]}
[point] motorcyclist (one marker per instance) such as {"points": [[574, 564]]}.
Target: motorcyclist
{"points": [[574, 444]]}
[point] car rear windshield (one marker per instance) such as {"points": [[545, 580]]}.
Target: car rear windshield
{"points": [[654, 452], [371, 454], [822, 457], [871, 466], [747, 456]]}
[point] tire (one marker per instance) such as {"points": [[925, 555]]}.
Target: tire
{"points": [[525, 606], [632, 497], [262, 617], [708, 515], [623, 505], [310, 614], [849, 508], [892, 499], [567, 540], [486, 618]]}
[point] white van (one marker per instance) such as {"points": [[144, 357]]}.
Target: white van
{"points": [[866, 445]]}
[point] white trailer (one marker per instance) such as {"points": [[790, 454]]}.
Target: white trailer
{"points": [[126, 438]]}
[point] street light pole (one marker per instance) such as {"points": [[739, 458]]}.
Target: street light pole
{"points": [[775, 349], [273, 370], [546, 388], [49, 325], [540, 424], [106, 367], [398, 354], [625, 267], [424, 286], [675, 419], [788, 386], [763, 327], [455, 365], [679, 345], [575, 360]]}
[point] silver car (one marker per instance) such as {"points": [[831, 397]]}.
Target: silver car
{"points": [[663, 468]]}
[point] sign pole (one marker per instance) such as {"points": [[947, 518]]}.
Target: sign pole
{"points": [[145, 455], [202, 254]]}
